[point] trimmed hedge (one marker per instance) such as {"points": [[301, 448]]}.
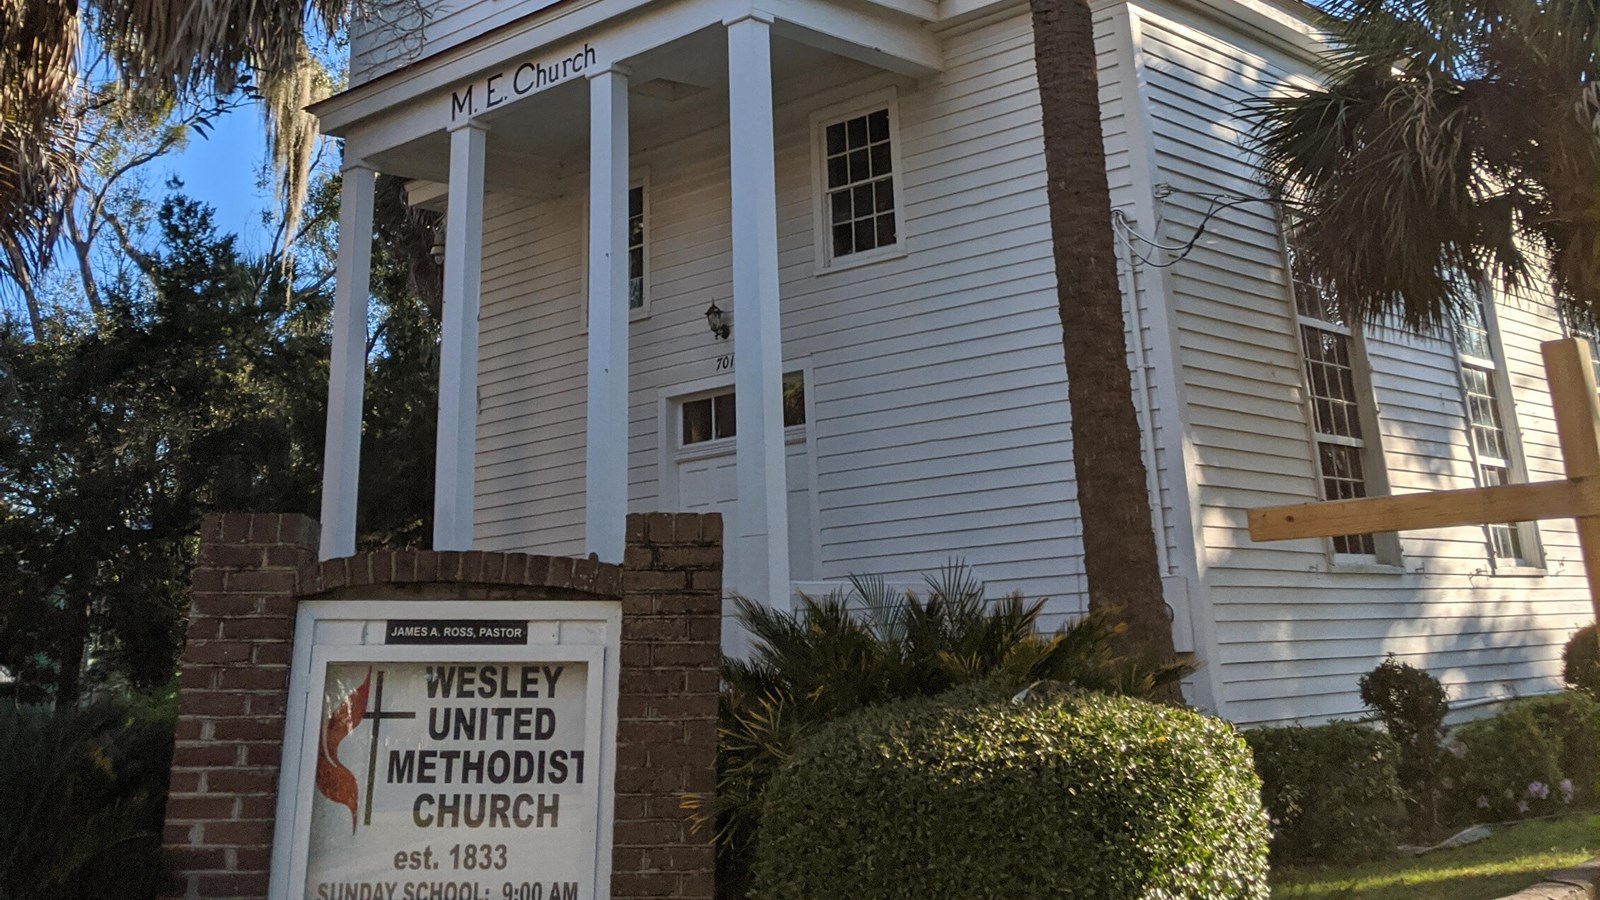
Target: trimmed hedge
{"points": [[1535, 757], [975, 796], [1580, 662], [1331, 791]]}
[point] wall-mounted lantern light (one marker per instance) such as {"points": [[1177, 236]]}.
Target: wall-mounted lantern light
{"points": [[437, 250], [721, 322]]}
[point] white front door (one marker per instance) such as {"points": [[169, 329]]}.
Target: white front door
{"points": [[702, 429]]}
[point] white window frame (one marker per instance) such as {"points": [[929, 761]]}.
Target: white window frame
{"points": [[1386, 556], [1515, 465], [821, 215], [641, 180]]}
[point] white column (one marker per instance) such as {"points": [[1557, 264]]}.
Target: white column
{"points": [[347, 368], [762, 529], [458, 345], [606, 457]]}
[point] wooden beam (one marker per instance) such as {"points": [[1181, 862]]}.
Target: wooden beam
{"points": [[1570, 371], [1572, 498]]}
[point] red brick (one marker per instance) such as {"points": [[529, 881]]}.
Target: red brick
{"points": [[663, 654], [264, 528], [203, 628], [244, 834], [198, 859], [211, 703], [256, 629], [204, 579], [405, 566], [273, 654], [265, 704], [382, 563], [558, 572], [232, 556], [202, 807], [204, 755], [179, 834], [687, 528], [284, 556], [223, 605], [646, 834], [653, 629], [643, 884], [649, 681], [233, 884], [645, 580], [251, 859], [633, 529], [183, 783], [265, 753], [690, 603], [217, 652], [707, 581], [246, 730], [538, 569], [280, 607], [659, 528], [494, 568], [688, 557], [472, 566], [235, 528], [262, 581], [255, 679], [427, 565]]}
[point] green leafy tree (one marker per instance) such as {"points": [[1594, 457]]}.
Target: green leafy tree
{"points": [[196, 389]]}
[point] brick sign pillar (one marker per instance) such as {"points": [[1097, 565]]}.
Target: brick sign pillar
{"points": [[234, 683], [235, 680], [667, 703]]}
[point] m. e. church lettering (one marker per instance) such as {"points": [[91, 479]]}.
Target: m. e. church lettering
{"points": [[528, 77]]}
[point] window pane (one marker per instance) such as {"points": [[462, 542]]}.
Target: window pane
{"points": [[838, 172], [722, 415], [878, 125], [862, 201], [835, 139], [866, 238], [857, 129], [636, 293], [636, 263], [794, 400], [697, 421], [843, 243], [841, 205], [860, 165], [885, 193], [886, 233], [880, 160], [636, 201]]}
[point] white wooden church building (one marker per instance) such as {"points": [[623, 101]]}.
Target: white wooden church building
{"points": [[857, 186]]}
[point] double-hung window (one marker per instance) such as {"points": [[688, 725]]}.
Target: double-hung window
{"points": [[1494, 450], [636, 247], [1343, 421], [859, 210]]}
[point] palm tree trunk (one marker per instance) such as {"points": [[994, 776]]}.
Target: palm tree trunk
{"points": [[1119, 548]]}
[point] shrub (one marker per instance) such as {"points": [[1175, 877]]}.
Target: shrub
{"points": [[1412, 705], [834, 656], [1511, 766], [1572, 720], [1331, 791], [82, 797], [976, 796], [1581, 662]]}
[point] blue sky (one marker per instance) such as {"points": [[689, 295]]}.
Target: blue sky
{"points": [[221, 169]]}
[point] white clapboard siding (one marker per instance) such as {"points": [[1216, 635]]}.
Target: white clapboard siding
{"points": [[940, 424], [1293, 634]]}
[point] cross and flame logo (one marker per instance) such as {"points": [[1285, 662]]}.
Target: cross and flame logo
{"points": [[335, 780]]}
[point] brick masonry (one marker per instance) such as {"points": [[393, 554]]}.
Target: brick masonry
{"points": [[235, 677]]}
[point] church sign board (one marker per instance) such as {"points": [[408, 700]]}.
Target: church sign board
{"points": [[450, 758]]}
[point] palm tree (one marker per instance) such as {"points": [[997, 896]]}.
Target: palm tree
{"points": [[161, 48], [1119, 545], [1452, 143]]}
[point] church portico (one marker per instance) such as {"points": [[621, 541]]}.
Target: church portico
{"points": [[551, 129]]}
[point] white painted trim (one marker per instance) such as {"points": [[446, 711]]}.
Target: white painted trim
{"points": [[1189, 560], [606, 416], [763, 520], [341, 455], [821, 216], [456, 449]]}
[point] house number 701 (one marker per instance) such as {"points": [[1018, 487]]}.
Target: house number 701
{"points": [[725, 362]]}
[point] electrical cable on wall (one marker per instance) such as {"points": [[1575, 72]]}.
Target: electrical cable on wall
{"points": [[1218, 203]]}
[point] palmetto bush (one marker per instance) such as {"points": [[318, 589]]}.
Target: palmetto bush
{"points": [[873, 644]]}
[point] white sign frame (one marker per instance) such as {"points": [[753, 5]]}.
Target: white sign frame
{"points": [[335, 631]]}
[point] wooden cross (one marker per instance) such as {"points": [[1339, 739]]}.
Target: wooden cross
{"points": [[1570, 373]]}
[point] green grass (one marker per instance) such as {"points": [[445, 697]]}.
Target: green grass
{"points": [[1513, 858]]}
